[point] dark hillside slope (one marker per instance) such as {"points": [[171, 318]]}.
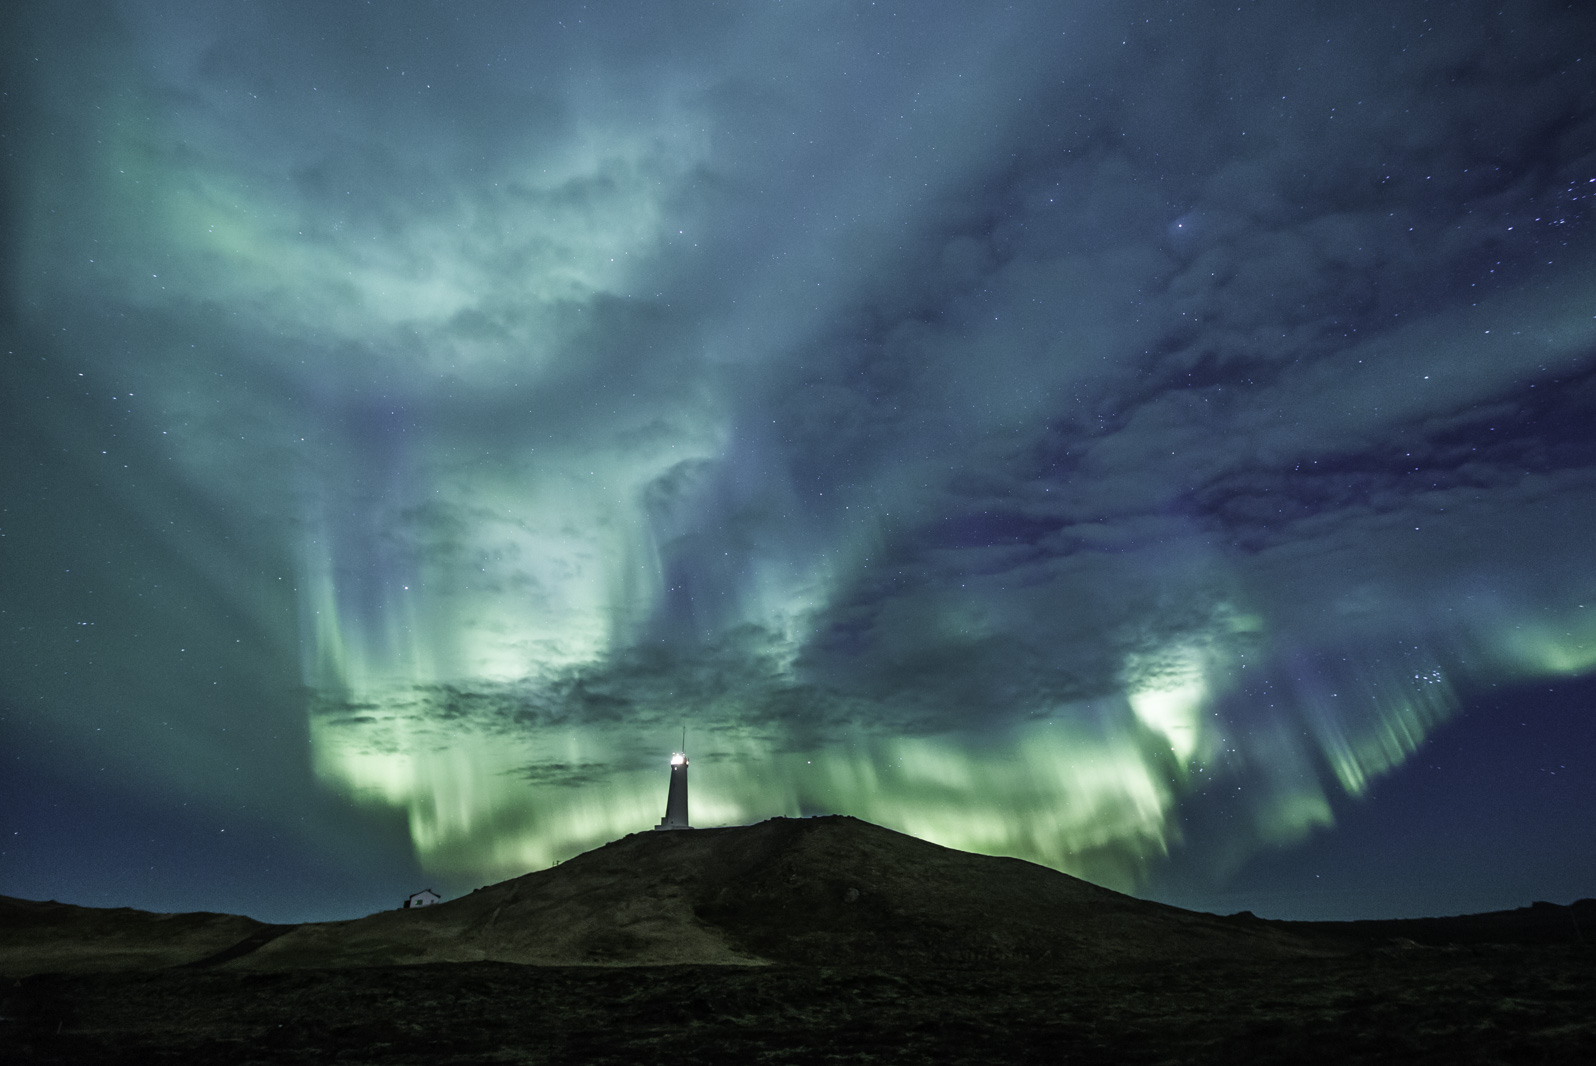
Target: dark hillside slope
{"points": [[842, 891], [886, 949], [835, 891], [1551, 924], [50, 937], [831, 891]]}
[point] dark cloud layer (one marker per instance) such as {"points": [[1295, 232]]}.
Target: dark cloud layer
{"points": [[1122, 436]]}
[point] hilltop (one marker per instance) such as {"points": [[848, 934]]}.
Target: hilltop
{"points": [[813, 891], [831, 890]]}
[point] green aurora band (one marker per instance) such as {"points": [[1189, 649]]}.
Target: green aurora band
{"points": [[476, 607]]}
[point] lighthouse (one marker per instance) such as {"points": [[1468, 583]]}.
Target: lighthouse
{"points": [[676, 799]]}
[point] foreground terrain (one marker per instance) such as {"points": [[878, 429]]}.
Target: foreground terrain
{"points": [[821, 940], [1480, 1005]]}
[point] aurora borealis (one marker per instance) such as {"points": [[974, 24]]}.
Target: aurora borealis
{"points": [[1134, 437]]}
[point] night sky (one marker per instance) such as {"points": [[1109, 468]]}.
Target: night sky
{"points": [[1156, 440]]}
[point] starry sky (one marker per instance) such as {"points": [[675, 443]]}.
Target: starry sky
{"points": [[1154, 440]]}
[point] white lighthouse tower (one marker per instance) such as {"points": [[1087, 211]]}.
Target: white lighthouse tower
{"points": [[676, 799]]}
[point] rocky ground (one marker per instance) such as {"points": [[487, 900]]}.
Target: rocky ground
{"points": [[1407, 1003]]}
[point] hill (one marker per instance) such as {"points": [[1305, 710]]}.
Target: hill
{"points": [[813, 891], [793, 941], [832, 890], [50, 937]]}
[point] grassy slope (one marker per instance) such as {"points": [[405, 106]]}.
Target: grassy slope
{"points": [[817, 891], [54, 937]]}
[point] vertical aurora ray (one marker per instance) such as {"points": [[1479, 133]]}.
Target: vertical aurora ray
{"points": [[532, 771]]}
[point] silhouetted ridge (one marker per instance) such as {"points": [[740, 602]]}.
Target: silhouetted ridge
{"points": [[810, 891], [832, 891]]}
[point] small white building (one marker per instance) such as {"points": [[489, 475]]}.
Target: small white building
{"points": [[425, 898]]}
